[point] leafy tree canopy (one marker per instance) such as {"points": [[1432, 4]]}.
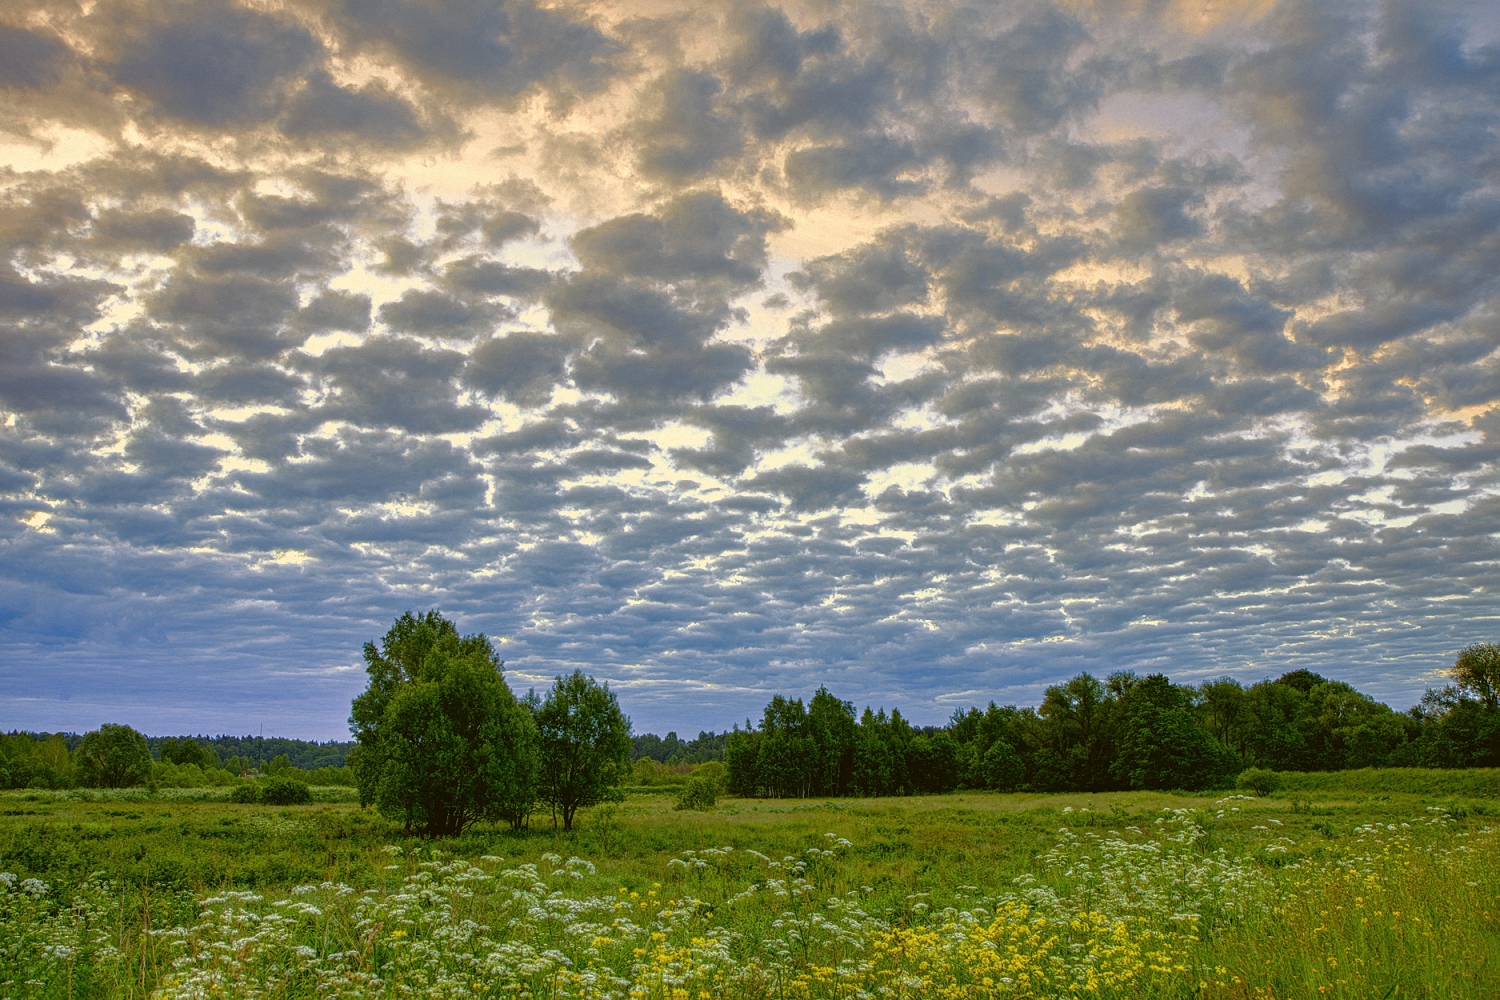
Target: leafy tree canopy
{"points": [[585, 745], [442, 740], [113, 757]]}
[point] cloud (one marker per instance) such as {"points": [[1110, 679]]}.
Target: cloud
{"points": [[487, 50], [213, 64], [29, 60], [936, 355], [373, 113]]}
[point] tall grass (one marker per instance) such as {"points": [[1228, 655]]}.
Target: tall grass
{"points": [[1478, 781], [1120, 897]]}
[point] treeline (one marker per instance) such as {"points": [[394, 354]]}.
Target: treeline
{"points": [[673, 751], [305, 755], [66, 760], [1125, 732]]}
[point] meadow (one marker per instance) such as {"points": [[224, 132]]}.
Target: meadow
{"points": [[1386, 885]]}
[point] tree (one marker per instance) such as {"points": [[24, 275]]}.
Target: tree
{"points": [[1162, 745], [442, 740], [585, 745], [113, 757], [830, 723], [1004, 770], [1477, 672], [186, 750], [1075, 719]]}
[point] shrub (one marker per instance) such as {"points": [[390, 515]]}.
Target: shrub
{"points": [[246, 793], [1258, 780], [283, 791], [714, 771], [698, 793]]}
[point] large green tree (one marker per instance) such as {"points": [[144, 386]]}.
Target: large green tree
{"points": [[113, 757], [442, 740], [585, 745], [1477, 672]]}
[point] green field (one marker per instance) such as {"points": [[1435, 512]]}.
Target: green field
{"points": [[1379, 887]]}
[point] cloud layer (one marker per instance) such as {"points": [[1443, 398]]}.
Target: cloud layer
{"points": [[932, 351]]}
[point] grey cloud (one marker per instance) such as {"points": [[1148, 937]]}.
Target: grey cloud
{"points": [[359, 466], [476, 275], [51, 396], [395, 382], [1023, 73], [874, 163], [686, 136], [214, 64], [553, 564], [239, 383], [492, 50], [371, 114], [1157, 381], [155, 231], [228, 316], [495, 223], [809, 487], [521, 367], [664, 373], [335, 310], [588, 306], [28, 59], [872, 278], [1152, 216], [695, 237], [435, 314]]}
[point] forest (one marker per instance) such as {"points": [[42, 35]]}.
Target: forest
{"points": [[1124, 732]]}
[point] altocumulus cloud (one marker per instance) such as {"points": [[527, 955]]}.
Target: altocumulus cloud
{"points": [[935, 351]]}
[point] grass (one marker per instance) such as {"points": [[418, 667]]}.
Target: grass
{"points": [[1479, 782], [1299, 894]]}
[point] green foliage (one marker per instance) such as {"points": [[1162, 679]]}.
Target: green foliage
{"points": [[41, 762], [113, 756], [585, 745], [1477, 674], [715, 772], [1258, 780], [648, 773], [343, 776], [699, 793], [245, 793], [671, 749], [187, 750], [1267, 890], [1125, 732], [1004, 770], [1160, 744], [1429, 782], [282, 790], [442, 740]]}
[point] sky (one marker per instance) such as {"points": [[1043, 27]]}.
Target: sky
{"points": [[931, 351]]}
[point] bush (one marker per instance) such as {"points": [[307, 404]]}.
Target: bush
{"points": [[246, 793], [1258, 780], [283, 791], [698, 793], [343, 776], [713, 771]]}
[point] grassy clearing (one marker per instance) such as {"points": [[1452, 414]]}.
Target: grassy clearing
{"points": [[1291, 896], [1478, 782]]}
